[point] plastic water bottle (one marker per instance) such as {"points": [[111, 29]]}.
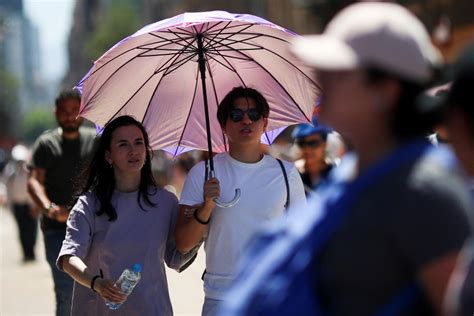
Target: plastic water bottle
{"points": [[127, 281]]}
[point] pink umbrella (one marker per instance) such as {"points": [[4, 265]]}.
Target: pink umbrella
{"points": [[172, 74]]}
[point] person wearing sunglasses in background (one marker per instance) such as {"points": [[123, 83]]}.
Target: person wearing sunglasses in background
{"points": [[313, 166], [243, 116]]}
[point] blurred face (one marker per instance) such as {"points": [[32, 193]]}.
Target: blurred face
{"points": [[127, 151], [245, 125], [348, 101], [313, 148], [66, 114]]}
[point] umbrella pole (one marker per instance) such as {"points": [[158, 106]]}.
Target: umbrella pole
{"points": [[202, 70]]}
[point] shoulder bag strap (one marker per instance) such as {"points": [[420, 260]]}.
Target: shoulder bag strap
{"points": [[287, 204]]}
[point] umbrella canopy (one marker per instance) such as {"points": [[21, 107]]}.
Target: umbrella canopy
{"points": [[154, 75]]}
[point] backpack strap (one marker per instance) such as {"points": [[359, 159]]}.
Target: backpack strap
{"points": [[287, 204]]}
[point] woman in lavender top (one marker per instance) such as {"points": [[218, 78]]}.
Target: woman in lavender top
{"points": [[121, 218]]}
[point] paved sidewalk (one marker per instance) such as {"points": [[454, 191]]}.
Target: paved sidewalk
{"points": [[27, 289]]}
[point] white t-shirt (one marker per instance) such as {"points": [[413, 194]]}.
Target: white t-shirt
{"points": [[263, 197]]}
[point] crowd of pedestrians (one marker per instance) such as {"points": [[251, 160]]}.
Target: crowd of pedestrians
{"points": [[368, 217]]}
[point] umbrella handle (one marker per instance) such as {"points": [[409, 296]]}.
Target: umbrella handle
{"points": [[230, 203]]}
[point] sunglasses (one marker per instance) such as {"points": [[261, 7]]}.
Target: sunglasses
{"points": [[237, 115], [311, 143]]}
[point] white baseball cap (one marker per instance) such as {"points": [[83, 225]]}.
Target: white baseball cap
{"points": [[373, 34]]}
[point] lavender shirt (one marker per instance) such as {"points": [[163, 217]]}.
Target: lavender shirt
{"points": [[137, 236]]}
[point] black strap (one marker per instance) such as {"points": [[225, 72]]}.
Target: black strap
{"points": [[287, 191], [286, 183], [93, 282]]}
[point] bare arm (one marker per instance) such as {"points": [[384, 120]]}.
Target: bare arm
{"points": [[435, 278], [36, 188], [38, 194], [189, 232], [79, 271]]}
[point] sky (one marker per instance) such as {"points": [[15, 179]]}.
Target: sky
{"points": [[53, 20]]}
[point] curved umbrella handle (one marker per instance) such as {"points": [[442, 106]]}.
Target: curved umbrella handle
{"points": [[230, 203]]}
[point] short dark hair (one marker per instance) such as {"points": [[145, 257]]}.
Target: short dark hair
{"points": [[66, 95], [227, 103]]}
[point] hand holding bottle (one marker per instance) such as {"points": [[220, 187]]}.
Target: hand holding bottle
{"points": [[109, 291], [125, 284]]}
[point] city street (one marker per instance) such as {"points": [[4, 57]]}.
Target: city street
{"points": [[27, 289]]}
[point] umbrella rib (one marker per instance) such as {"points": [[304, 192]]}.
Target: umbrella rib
{"points": [[230, 67], [256, 47], [215, 93], [243, 25], [276, 81], [221, 63], [189, 114], [138, 90], [217, 33], [112, 74], [210, 29], [272, 52], [176, 40], [221, 39], [229, 56], [140, 47], [173, 66], [151, 98], [133, 95], [105, 64], [214, 48], [165, 41]]}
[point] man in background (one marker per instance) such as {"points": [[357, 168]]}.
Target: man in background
{"points": [[58, 155]]}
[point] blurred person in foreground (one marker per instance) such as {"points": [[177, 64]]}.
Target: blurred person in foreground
{"points": [[267, 186], [314, 165], [121, 218], [460, 125], [57, 159], [16, 173], [384, 236]]}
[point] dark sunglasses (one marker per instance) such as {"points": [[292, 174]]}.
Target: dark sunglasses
{"points": [[237, 115], [310, 143]]}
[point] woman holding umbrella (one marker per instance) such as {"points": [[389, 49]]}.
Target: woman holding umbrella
{"points": [[395, 215], [266, 187]]}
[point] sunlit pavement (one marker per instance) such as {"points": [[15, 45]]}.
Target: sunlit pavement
{"points": [[27, 289]]}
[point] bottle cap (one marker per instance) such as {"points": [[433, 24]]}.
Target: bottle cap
{"points": [[137, 267]]}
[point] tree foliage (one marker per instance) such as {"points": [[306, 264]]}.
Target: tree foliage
{"points": [[36, 121], [120, 20], [9, 115]]}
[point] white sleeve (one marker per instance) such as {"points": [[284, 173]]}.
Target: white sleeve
{"points": [[193, 190], [297, 195]]}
